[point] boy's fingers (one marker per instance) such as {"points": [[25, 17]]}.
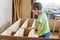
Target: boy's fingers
{"points": [[29, 28]]}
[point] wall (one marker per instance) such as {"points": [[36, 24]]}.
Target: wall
{"points": [[5, 13]]}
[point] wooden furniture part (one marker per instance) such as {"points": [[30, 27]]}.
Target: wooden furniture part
{"points": [[31, 33], [33, 25], [59, 32], [30, 22], [14, 28], [21, 23], [21, 9], [16, 10], [26, 32], [51, 24], [25, 38], [27, 23], [57, 19], [23, 33], [26, 8], [20, 32]]}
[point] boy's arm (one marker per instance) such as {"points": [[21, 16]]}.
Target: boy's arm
{"points": [[37, 24]]}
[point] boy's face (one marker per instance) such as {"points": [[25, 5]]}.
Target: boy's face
{"points": [[35, 11]]}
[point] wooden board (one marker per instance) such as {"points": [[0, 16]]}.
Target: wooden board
{"points": [[31, 33], [22, 21], [25, 38], [26, 8], [12, 28], [51, 24], [26, 32], [30, 22], [20, 32], [25, 24], [23, 32], [33, 24]]}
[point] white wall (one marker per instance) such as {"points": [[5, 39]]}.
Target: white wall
{"points": [[5, 13]]}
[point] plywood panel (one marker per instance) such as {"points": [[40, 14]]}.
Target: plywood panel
{"points": [[25, 38], [25, 24], [20, 32], [26, 8], [33, 25], [22, 9], [30, 22], [26, 31], [22, 21], [31, 33], [51, 24], [14, 28]]}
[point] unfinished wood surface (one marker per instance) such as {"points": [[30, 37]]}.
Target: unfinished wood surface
{"points": [[21, 8], [15, 8], [30, 22], [12, 28], [18, 10], [26, 32], [51, 24], [59, 31], [25, 38], [21, 23], [26, 8], [20, 5], [12, 33], [33, 25], [31, 33], [20, 32], [25, 24]]}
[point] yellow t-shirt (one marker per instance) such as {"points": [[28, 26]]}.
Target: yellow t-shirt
{"points": [[44, 27]]}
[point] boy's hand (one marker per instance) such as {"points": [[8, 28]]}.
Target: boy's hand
{"points": [[29, 28]]}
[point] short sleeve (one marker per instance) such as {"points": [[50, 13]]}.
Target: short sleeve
{"points": [[40, 19]]}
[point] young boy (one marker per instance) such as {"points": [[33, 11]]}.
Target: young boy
{"points": [[42, 22]]}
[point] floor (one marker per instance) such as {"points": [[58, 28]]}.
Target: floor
{"points": [[54, 35]]}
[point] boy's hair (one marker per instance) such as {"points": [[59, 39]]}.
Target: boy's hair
{"points": [[37, 5]]}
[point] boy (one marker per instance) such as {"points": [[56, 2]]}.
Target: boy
{"points": [[42, 22]]}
